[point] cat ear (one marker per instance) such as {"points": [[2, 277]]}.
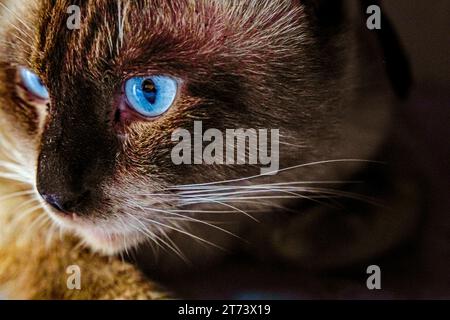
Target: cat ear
{"points": [[396, 60], [328, 13]]}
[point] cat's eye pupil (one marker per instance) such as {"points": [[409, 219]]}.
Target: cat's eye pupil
{"points": [[149, 89], [148, 86]]}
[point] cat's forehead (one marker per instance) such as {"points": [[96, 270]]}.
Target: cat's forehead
{"points": [[172, 34]]}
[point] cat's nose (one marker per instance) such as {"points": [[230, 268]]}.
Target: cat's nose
{"points": [[66, 203]]}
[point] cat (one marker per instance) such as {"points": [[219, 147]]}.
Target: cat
{"points": [[81, 157]]}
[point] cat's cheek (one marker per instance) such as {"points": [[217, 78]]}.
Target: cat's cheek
{"points": [[22, 117], [20, 128]]}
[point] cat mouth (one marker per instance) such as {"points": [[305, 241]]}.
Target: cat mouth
{"points": [[107, 242], [96, 236]]}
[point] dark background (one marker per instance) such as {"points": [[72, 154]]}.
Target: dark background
{"points": [[424, 27]]}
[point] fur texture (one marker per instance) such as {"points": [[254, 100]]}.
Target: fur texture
{"points": [[243, 64]]}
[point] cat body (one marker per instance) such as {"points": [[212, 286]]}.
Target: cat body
{"points": [[240, 64]]}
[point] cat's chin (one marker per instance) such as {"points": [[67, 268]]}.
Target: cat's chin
{"points": [[108, 243], [97, 237]]}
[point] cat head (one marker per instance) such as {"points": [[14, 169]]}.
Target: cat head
{"points": [[103, 166]]}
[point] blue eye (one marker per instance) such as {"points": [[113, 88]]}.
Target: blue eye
{"points": [[151, 96], [33, 84]]}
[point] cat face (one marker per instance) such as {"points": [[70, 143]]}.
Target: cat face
{"points": [[103, 169]]}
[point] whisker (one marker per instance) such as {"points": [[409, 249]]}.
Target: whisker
{"points": [[26, 213], [230, 206], [200, 222], [25, 203], [52, 230], [17, 17], [10, 166], [296, 196], [270, 191], [16, 195], [201, 189], [279, 171], [185, 233], [183, 257], [152, 235], [202, 211], [13, 177], [37, 223]]}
